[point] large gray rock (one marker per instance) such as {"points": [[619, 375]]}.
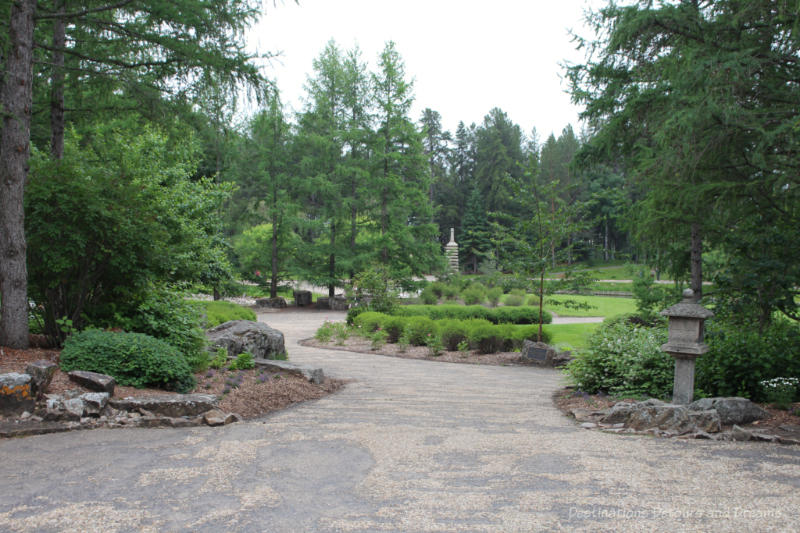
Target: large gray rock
{"points": [[543, 354], [314, 375], [239, 336], [677, 419], [169, 405], [272, 303], [731, 410], [93, 381], [16, 393], [94, 402], [41, 372], [302, 298]]}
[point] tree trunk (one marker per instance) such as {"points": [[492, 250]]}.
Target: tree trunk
{"points": [[697, 261], [16, 97], [57, 86], [541, 305], [332, 264], [605, 241]]}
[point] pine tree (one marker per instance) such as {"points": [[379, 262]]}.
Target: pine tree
{"points": [[475, 244]]}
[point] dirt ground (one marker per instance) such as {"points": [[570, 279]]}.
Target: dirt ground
{"points": [[249, 393]]}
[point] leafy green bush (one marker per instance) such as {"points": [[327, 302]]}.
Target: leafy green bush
{"points": [[739, 358], [532, 300], [450, 291], [393, 326], [498, 315], [324, 332], [220, 358], [167, 316], [428, 297], [514, 300], [133, 359], [437, 287], [493, 295], [418, 328], [486, 338], [243, 361], [474, 294], [452, 332], [369, 321], [625, 360], [353, 312], [218, 312]]}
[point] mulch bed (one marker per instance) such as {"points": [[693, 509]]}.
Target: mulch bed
{"points": [[361, 345], [251, 393], [781, 423]]}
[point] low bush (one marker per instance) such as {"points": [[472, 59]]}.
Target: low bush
{"points": [[218, 312], [486, 338], [393, 326], [493, 295], [740, 358], [427, 296], [499, 315], [243, 361], [514, 300], [353, 312], [369, 321], [624, 359], [418, 328], [220, 358], [437, 287], [324, 332], [132, 359], [452, 333], [474, 294], [450, 292]]}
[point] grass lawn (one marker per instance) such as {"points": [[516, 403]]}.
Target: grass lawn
{"points": [[610, 286], [605, 306], [569, 336]]}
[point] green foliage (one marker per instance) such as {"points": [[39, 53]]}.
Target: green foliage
{"points": [[243, 361], [514, 300], [340, 332], [132, 359], [624, 360], [780, 392], [486, 338], [474, 294], [438, 288], [369, 321], [218, 312], [375, 289], [740, 358], [325, 332], [493, 295], [434, 344], [428, 296], [418, 328], [378, 338], [515, 315], [451, 291], [126, 214], [652, 298], [452, 333], [220, 358], [393, 326]]}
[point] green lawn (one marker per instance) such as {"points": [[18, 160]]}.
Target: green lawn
{"points": [[605, 306], [569, 336]]}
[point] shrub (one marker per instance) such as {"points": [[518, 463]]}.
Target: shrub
{"points": [[434, 344], [378, 339], [393, 326], [243, 361], [532, 300], [518, 315], [353, 312], [418, 328], [452, 332], [218, 312], [739, 358], [514, 300], [626, 360], [437, 288], [493, 295], [369, 321], [531, 333], [340, 332], [450, 292], [324, 332], [133, 359], [427, 296], [220, 358], [486, 338], [474, 294]]}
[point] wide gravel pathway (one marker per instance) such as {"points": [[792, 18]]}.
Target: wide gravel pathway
{"points": [[407, 446]]}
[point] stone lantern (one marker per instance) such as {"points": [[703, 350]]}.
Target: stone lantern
{"points": [[685, 343], [451, 251]]}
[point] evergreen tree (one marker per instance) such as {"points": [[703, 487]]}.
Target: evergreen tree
{"points": [[475, 243]]}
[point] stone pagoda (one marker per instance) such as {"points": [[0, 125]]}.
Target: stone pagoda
{"points": [[451, 251]]}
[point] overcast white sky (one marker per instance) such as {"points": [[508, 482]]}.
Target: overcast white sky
{"points": [[465, 56]]}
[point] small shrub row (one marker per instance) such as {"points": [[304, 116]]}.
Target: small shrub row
{"points": [[133, 359], [497, 315], [218, 312], [479, 334]]}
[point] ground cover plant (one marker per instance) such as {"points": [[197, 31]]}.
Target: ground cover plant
{"points": [[219, 311]]}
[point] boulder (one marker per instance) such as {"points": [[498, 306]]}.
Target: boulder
{"points": [[16, 393], [323, 302], [651, 414], [543, 354], [272, 303], [216, 417], [169, 405], [74, 408], [731, 410], [302, 298], [314, 375], [339, 303], [93, 381], [41, 372], [94, 402], [239, 336]]}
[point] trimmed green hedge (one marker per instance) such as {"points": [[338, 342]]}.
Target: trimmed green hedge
{"points": [[481, 334], [497, 315], [133, 359]]}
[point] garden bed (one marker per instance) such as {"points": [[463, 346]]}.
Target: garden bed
{"points": [[256, 392]]}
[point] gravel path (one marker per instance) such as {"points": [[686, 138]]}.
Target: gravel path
{"points": [[408, 446]]}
